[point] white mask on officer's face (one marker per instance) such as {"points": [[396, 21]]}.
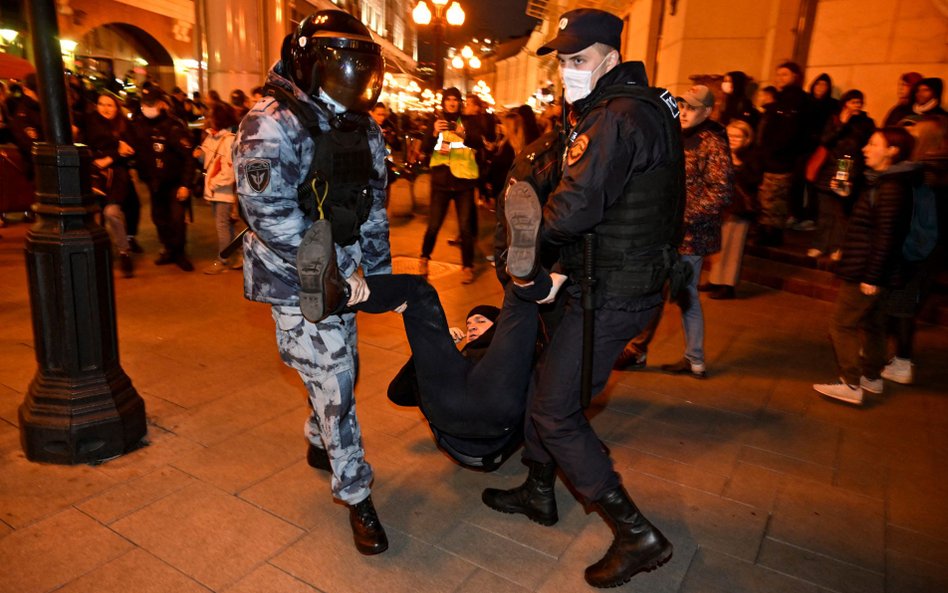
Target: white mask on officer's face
{"points": [[336, 108], [577, 84], [151, 111]]}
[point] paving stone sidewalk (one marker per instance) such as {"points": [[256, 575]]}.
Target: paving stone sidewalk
{"points": [[761, 485]]}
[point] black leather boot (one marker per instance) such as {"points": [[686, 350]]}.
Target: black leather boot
{"points": [[534, 498], [367, 530], [638, 545], [318, 458]]}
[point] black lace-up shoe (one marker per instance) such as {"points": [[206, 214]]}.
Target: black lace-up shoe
{"points": [[367, 530]]}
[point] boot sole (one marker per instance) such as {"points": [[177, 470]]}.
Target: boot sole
{"points": [[312, 262], [545, 521], [373, 550], [523, 213], [663, 557]]}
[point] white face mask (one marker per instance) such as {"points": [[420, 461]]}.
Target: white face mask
{"points": [[151, 112], [727, 87], [578, 83], [336, 108]]}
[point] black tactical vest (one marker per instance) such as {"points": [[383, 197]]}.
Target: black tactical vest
{"points": [[336, 186], [637, 240]]}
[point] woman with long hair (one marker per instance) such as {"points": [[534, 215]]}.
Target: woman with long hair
{"points": [[871, 265], [219, 188], [105, 133]]}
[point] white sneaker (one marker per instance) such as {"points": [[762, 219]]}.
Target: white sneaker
{"points": [[899, 370], [871, 385], [851, 394]]}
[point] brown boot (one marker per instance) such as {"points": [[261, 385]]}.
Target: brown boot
{"points": [[367, 530], [638, 545], [323, 290]]}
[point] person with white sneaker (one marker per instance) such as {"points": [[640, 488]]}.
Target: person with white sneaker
{"points": [[871, 264]]}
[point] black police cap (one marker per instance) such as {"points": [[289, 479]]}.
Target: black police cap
{"points": [[151, 94], [578, 29]]}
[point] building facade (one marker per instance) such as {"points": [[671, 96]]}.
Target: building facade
{"points": [[864, 44], [200, 45]]}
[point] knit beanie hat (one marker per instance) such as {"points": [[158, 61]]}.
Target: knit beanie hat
{"points": [[489, 311]]}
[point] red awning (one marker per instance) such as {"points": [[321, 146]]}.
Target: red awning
{"points": [[14, 67]]}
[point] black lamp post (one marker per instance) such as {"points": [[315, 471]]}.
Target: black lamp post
{"points": [[80, 406], [453, 15]]}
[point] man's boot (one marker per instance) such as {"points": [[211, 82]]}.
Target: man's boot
{"points": [[534, 498], [318, 458], [524, 214], [367, 530], [638, 545], [323, 291]]}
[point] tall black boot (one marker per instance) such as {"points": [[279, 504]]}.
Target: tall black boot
{"points": [[638, 545], [534, 498], [367, 530]]}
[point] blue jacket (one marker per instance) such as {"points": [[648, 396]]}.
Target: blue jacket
{"points": [[272, 154]]}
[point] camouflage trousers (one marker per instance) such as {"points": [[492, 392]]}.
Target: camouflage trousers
{"points": [[325, 356], [774, 196]]}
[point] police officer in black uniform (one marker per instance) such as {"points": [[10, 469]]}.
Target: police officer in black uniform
{"points": [[623, 181], [164, 161]]}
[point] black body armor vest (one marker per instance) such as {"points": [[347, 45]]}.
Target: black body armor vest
{"points": [[336, 187], [637, 241]]}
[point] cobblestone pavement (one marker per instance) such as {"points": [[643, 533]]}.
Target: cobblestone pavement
{"points": [[762, 485]]}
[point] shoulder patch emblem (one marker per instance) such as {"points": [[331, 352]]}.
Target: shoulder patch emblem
{"points": [[577, 149], [258, 174]]}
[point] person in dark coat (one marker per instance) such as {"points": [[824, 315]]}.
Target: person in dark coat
{"points": [[737, 105], [871, 265], [903, 108], [927, 95], [454, 143], [163, 147], [26, 123], [106, 134], [843, 137], [902, 305], [531, 130], [782, 151]]}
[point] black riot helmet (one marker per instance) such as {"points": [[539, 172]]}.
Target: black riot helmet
{"points": [[333, 51]]}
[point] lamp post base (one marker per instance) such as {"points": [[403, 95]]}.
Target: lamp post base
{"points": [[81, 406]]}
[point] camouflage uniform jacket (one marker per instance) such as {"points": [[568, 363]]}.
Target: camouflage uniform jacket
{"points": [[276, 150]]}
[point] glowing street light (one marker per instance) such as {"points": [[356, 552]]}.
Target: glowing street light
{"points": [[465, 60], [441, 18]]}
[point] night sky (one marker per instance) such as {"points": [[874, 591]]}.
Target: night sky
{"points": [[496, 19]]}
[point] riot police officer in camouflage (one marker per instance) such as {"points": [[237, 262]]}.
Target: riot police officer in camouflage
{"points": [[311, 179]]}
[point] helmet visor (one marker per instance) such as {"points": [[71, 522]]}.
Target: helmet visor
{"points": [[352, 72]]}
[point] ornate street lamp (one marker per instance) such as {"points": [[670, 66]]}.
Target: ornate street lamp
{"points": [[465, 61], [453, 16], [81, 406]]}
